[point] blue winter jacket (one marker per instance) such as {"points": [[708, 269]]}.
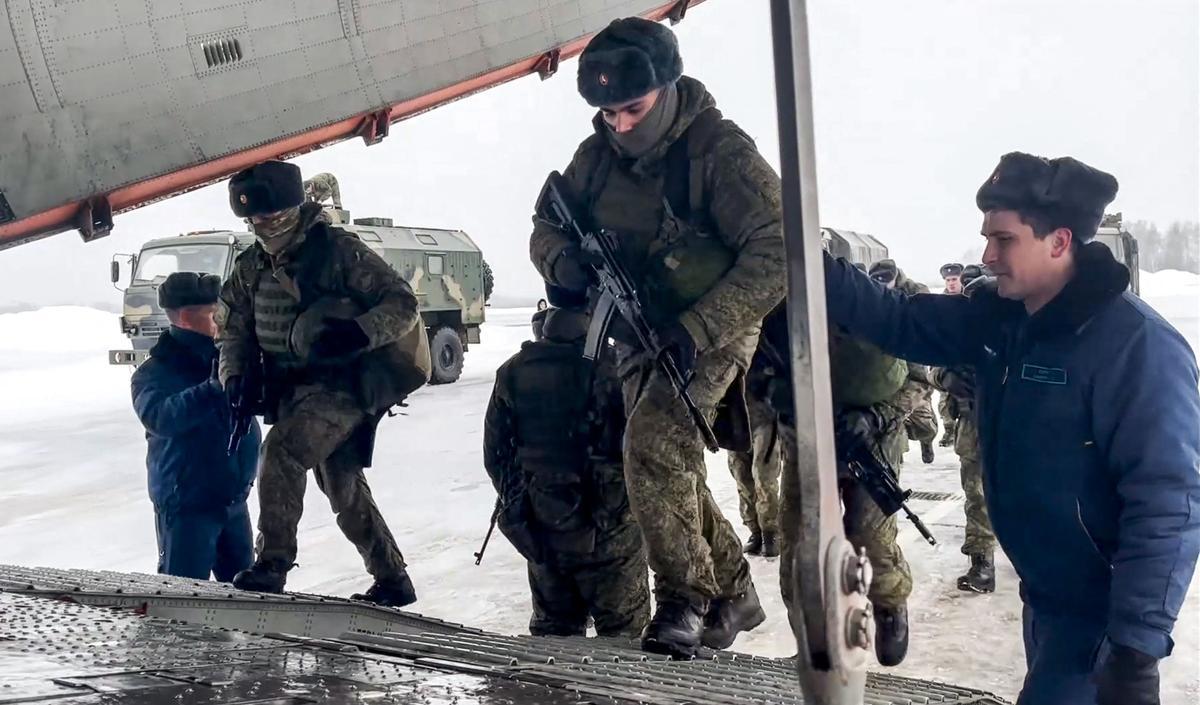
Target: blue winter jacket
{"points": [[1089, 420], [186, 416]]}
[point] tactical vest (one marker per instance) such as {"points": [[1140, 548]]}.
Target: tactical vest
{"points": [[567, 424], [667, 242], [275, 310]]}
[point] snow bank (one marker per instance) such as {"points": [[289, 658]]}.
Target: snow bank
{"points": [[1168, 282], [61, 329]]}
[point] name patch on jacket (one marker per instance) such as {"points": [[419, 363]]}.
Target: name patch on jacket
{"points": [[1044, 375]]}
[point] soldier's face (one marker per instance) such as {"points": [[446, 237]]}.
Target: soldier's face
{"points": [[954, 285], [623, 117], [1026, 266]]}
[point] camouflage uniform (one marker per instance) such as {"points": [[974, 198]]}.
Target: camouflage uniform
{"points": [[756, 472], [948, 411], [921, 424], [979, 538], [323, 187], [552, 446], [692, 548], [319, 419]]}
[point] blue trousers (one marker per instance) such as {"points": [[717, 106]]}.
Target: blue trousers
{"points": [[193, 544], [1062, 653]]}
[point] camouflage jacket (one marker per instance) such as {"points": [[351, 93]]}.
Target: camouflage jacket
{"points": [[349, 269], [741, 202]]}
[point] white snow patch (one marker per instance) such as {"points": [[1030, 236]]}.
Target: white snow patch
{"points": [[61, 329]]}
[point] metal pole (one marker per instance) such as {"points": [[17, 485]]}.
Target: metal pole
{"points": [[830, 615]]}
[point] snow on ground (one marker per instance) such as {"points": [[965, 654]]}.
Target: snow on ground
{"points": [[72, 464]]}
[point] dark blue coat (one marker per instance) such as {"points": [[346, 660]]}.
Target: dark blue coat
{"points": [[1089, 419], [186, 416]]}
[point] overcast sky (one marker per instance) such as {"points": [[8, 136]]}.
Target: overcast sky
{"points": [[914, 104]]}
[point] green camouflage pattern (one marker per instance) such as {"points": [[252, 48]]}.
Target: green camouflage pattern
{"points": [[612, 587], [756, 472], [979, 538], [316, 428]]}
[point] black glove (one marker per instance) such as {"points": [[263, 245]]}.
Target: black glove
{"points": [[570, 271], [237, 390], [339, 337], [854, 429], [678, 343], [1127, 677], [959, 384]]}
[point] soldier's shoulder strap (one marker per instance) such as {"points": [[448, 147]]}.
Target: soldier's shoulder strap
{"points": [[684, 185]]}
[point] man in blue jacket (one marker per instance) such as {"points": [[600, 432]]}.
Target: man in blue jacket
{"points": [[199, 492], [1089, 424]]}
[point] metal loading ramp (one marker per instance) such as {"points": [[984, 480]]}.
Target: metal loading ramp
{"points": [[75, 637]]}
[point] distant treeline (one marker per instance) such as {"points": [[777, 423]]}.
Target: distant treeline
{"points": [[1177, 248]]}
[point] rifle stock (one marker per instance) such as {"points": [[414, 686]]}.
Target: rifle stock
{"points": [[558, 207]]}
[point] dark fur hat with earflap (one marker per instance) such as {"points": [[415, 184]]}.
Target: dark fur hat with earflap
{"points": [[628, 59], [266, 188], [1063, 191]]}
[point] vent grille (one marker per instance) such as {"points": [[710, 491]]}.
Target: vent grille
{"points": [[222, 52], [935, 496]]}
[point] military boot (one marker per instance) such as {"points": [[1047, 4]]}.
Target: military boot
{"points": [[948, 438], [754, 544], [675, 629], [770, 544], [891, 634], [981, 576], [396, 592], [728, 616], [927, 452], [263, 576]]}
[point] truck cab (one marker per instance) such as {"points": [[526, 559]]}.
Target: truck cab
{"points": [[443, 267], [1124, 247]]}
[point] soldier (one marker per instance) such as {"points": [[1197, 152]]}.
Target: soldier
{"points": [[920, 424], [698, 213], [947, 409], [552, 446], [873, 393], [1087, 409], [957, 384], [323, 187], [756, 471], [199, 492], [317, 317]]}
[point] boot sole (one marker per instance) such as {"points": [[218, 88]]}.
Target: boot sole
{"points": [[967, 587], [725, 642]]}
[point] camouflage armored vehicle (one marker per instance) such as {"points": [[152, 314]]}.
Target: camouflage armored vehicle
{"points": [[444, 267], [1123, 245]]}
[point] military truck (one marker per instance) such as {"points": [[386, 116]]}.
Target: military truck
{"points": [[1124, 247], [855, 247], [444, 268]]}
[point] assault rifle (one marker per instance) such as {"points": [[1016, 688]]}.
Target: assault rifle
{"points": [[877, 477], [557, 207], [488, 537]]}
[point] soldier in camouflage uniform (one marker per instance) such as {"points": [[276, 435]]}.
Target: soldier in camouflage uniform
{"points": [[979, 542], [921, 424], [756, 471], [698, 214], [947, 409], [872, 387], [552, 446], [316, 401], [323, 187]]}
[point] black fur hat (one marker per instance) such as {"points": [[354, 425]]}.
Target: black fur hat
{"points": [[269, 187], [628, 59], [951, 269], [188, 289], [1065, 191]]}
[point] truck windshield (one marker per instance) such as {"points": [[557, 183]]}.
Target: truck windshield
{"points": [[158, 262]]}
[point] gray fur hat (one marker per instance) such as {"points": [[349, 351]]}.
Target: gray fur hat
{"points": [[628, 59]]}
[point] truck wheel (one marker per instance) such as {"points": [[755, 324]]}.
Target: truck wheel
{"points": [[446, 351]]}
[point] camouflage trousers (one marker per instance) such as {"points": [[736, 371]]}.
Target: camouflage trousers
{"points": [[313, 430], [757, 472], [612, 587], [979, 539], [948, 410], [692, 549], [865, 527], [921, 424]]}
